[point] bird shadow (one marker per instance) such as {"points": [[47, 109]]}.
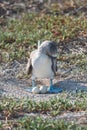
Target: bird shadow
{"points": [[71, 85]]}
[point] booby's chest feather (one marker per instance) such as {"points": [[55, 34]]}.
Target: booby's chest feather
{"points": [[42, 66]]}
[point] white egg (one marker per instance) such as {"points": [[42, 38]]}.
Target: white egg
{"points": [[35, 90], [43, 89]]}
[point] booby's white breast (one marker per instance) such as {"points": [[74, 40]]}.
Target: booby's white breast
{"points": [[41, 65]]}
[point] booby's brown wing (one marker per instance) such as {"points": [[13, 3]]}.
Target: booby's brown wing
{"points": [[54, 65], [29, 64], [29, 67]]}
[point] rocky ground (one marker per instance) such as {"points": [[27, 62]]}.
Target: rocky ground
{"points": [[12, 8]]}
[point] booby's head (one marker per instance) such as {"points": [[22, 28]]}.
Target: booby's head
{"points": [[49, 48]]}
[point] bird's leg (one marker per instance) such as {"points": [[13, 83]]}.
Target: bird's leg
{"points": [[33, 85], [53, 89], [51, 84]]}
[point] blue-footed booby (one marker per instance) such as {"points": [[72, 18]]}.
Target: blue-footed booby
{"points": [[43, 64]]}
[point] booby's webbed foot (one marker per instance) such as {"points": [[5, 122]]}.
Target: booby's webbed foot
{"points": [[54, 89]]}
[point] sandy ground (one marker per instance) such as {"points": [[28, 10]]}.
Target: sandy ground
{"points": [[13, 86]]}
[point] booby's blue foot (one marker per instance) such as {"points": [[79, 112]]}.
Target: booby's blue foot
{"points": [[54, 89]]}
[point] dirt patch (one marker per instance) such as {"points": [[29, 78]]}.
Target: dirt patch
{"points": [[13, 8]]}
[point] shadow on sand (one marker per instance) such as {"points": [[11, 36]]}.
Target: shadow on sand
{"points": [[71, 85]]}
